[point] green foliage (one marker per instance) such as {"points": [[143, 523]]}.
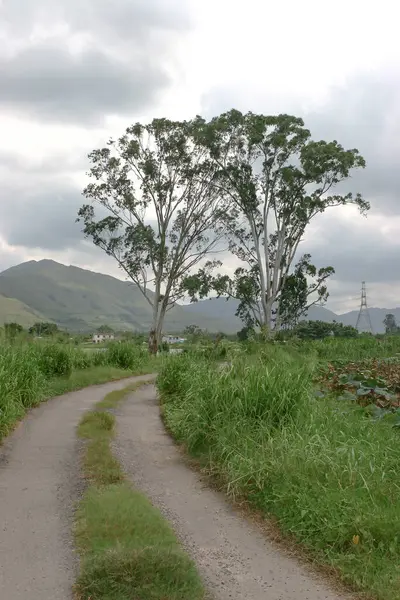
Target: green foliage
{"points": [[390, 324], [125, 355], [43, 329], [29, 373], [273, 180], [153, 169], [11, 330], [322, 467], [54, 360], [316, 330], [302, 289]]}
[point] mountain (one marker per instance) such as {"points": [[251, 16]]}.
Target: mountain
{"points": [[377, 316], [221, 308], [81, 300], [14, 311]]}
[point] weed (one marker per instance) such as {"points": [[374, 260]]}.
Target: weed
{"points": [[127, 548], [326, 472]]}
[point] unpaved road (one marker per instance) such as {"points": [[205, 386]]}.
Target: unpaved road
{"points": [[39, 483], [235, 559]]}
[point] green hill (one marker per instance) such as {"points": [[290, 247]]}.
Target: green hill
{"points": [[81, 300], [14, 311]]}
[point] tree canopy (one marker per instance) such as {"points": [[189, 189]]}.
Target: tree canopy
{"points": [[157, 209], [164, 194], [272, 180]]}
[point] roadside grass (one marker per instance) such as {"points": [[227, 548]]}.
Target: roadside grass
{"points": [[128, 551], [31, 373], [328, 474]]}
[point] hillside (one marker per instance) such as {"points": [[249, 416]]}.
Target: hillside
{"points": [[81, 300], [14, 311]]}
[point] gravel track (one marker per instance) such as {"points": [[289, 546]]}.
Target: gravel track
{"points": [[40, 481], [234, 557]]}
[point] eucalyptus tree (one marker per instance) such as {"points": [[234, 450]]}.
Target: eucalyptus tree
{"points": [[153, 207], [273, 180]]}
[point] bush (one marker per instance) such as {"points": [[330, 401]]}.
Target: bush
{"points": [[54, 360], [22, 384], [125, 355]]}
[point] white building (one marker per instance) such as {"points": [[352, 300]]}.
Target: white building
{"points": [[98, 338], [173, 339]]}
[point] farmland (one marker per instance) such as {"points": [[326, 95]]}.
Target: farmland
{"points": [[307, 434]]}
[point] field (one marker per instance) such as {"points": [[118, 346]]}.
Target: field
{"points": [[33, 372], [307, 434]]}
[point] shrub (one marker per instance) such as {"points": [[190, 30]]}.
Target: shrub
{"points": [[125, 355], [54, 360]]}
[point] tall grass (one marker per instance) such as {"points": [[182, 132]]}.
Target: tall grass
{"points": [[29, 373], [353, 349], [329, 475]]}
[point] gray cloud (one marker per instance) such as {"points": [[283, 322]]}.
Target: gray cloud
{"points": [[48, 82], [124, 19], [356, 249], [364, 113], [42, 217], [120, 69]]}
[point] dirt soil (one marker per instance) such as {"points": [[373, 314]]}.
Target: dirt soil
{"points": [[40, 482], [234, 557]]}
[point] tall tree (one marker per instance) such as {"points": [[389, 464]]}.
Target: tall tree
{"points": [[302, 289], [158, 209], [273, 180], [390, 323]]}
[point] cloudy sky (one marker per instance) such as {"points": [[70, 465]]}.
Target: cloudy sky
{"points": [[73, 73]]}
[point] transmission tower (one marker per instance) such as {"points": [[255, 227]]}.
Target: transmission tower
{"points": [[363, 315]]}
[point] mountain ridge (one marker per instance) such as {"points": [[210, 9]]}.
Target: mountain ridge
{"points": [[82, 300]]}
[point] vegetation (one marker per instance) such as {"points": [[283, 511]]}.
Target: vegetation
{"points": [[325, 467], [127, 549], [153, 171], [272, 181], [82, 301], [31, 373]]}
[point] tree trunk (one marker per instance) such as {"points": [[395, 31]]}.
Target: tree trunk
{"points": [[153, 341]]}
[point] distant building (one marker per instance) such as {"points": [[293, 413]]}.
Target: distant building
{"points": [[98, 338], [173, 339]]}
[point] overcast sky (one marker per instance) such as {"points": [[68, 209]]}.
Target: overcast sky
{"points": [[73, 73]]}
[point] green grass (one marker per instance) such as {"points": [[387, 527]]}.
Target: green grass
{"points": [[33, 372], [327, 473], [128, 551]]}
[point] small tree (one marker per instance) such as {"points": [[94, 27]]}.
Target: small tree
{"points": [[45, 329], [302, 289], [11, 330], [390, 324], [273, 180], [158, 210], [106, 329]]}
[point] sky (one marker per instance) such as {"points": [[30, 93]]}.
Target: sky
{"points": [[72, 74]]}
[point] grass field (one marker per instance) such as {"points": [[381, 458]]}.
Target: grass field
{"points": [[127, 548], [269, 427], [32, 373]]}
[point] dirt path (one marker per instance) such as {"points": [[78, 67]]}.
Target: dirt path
{"points": [[39, 483], [236, 561]]}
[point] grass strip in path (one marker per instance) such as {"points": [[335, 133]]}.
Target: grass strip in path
{"points": [[127, 549]]}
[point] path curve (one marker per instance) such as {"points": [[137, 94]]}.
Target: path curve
{"points": [[234, 558], [40, 481]]}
